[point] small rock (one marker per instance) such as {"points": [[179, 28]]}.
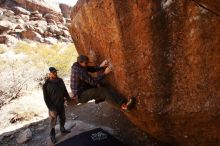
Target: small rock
{"points": [[20, 21], [66, 33], [11, 40], [34, 13], [64, 39], [50, 16], [39, 15], [68, 20], [35, 18], [39, 30], [1, 13], [51, 21], [18, 27], [29, 27], [3, 39], [42, 24], [25, 17], [54, 29], [24, 136], [5, 25]]}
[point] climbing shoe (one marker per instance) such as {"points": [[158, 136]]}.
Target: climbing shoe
{"points": [[129, 105], [64, 131], [52, 136], [99, 101]]}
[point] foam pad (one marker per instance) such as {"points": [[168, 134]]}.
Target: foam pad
{"points": [[96, 137]]}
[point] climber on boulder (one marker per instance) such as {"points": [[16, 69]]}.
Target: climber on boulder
{"points": [[85, 87]]}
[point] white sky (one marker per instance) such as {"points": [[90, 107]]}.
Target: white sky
{"points": [[69, 2]]}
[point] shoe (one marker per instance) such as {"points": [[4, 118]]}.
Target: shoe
{"points": [[64, 131], [129, 105], [52, 136], [53, 139], [98, 101]]}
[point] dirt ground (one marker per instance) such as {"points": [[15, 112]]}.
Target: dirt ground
{"points": [[85, 117]]}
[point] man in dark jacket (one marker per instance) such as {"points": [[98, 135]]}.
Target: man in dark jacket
{"points": [[54, 91], [85, 87]]}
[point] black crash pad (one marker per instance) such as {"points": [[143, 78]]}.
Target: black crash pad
{"points": [[96, 137]]}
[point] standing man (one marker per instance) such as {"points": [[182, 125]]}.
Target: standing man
{"points": [[54, 91], [85, 87]]}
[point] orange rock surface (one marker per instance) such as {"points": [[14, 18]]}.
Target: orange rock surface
{"points": [[166, 51]]}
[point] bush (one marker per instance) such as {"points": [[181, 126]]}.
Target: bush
{"points": [[14, 80], [60, 56]]}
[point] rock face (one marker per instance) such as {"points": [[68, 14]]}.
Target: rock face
{"points": [[166, 51]]}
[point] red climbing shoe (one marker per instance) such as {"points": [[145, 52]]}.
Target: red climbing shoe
{"points": [[129, 105]]}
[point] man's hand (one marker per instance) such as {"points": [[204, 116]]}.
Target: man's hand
{"points": [[104, 63], [74, 100], [107, 70]]}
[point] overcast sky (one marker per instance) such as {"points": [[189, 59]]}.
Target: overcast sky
{"points": [[69, 2]]}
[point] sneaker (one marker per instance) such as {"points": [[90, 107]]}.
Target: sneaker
{"points": [[52, 136], [64, 131], [53, 139]]}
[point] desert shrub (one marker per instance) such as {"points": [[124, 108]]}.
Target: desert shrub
{"points": [[60, 56], [15, 78]]}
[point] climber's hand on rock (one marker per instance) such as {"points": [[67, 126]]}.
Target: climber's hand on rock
{"points": [[104, 63], [107, 70]]}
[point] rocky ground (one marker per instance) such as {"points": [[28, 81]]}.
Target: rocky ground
{"points": [[33, 21], [79, 119]]}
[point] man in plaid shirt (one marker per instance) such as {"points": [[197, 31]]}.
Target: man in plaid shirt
{"points": [[85, 87]]}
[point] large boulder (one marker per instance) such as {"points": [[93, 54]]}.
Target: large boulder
{"points": [[31, 35], [39, 5], [5, 25], [20, 10], [167, 52], [54, 17], [66, 10]]}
